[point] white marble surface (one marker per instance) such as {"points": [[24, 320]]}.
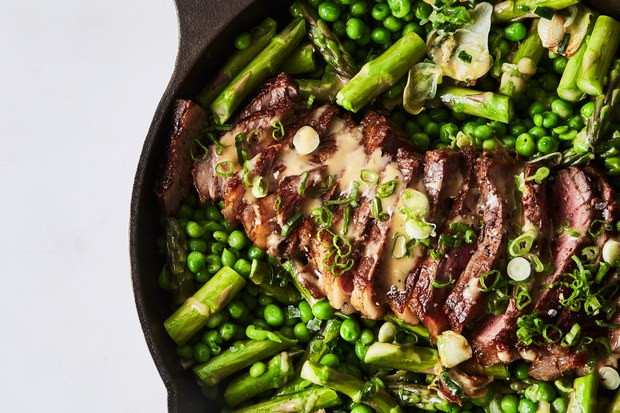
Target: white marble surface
{"points": [[79, 82]]}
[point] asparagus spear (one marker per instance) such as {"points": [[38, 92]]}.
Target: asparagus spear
{"points": [[402, 357], [419, 396], [326, 42], [293, 267], [245, 386], [600, 51], [259, 69], [568, 89], [524, 64], [383, 72], [261, 35], [307, 401], [260, 275], [418, 330], [325, 89], [583, 397], [301, 61], [176, 251], [486, 105], [238, 357], [514, 9], [210, 298], [348, 385], [316, 349]]}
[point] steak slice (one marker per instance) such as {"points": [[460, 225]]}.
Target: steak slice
{"points": [[494, 341], [495, 175], [188, 121], [425, 299], [556, 362], [572, 198]]}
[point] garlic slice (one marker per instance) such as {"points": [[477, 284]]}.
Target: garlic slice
{"points": [[306, 140]]}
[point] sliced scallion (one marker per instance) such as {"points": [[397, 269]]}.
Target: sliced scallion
{"points": [[259, 187], [519, 269], [224, 169], [369, 177]]}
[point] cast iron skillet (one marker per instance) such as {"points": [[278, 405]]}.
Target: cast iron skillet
{"points": [[206, 32]]}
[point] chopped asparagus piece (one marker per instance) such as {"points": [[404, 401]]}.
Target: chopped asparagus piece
{"points": [[239, 356], [176, 250], [301, 61], [514, 9], [402, 357], [260, 275], [583, 397], [524, 64], [292, 267], [244, 387], [210, 298], [383, 72], [417, 395], [261, 36], [350, 386], [307, 401], [486, 105], [600, 51], [259, 69], [418, 330], [325, 89], [326, 42], [614, 407], [568, 89]]}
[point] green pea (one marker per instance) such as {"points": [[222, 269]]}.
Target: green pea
{"points": [[237, 240], [469, 128], [509, 141], [432, 129], [559, 64], [339, 28], [236, 309], [202, 276], [360, 350], [423, 119], [568, 136], [305, 311], [421, 141], [322, 310], [221, 236], [517, 129], [520, 370], [547, 144], [301, 332], [538, 131], [213, 213], [380, 11], [413, 27], [483, 132], [536, 108], [515, 32], [255, 253], [330, 360], [243, 267], [509, 403], [194, 229], [422, 10], [367, 336], [549, 82], [215, 320], [447, 132], [199, 215], [499, 128], [228, 331], [400, 8], [587, 110], [243, 41], [504, 47], [525, 145], [195, 261], [355, 28], [484, 400], [287, 331], [202, 354], [559, 405], [411, 127], [380, 35], [575, 122], [527, 406], [185, 211], [550, 120], [328, 11], [213, 226], [214, 263], [228, 258], [185, 352], [489, 144], [265, 300], [258, 369], [562, 108], [361, 408], [273, 315], [350, 330], [199, 245], [546, 392], [392, 23]]}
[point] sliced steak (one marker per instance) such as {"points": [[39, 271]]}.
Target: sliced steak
{"points": [[495, 175], [425, 299], [572, 200], [494, 342], [188, 120], [556, 362]]}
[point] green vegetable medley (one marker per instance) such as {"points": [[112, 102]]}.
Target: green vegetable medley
{"points": [[537, 77]]}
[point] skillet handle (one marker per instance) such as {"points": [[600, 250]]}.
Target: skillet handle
{"points": [[200, 21]]}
